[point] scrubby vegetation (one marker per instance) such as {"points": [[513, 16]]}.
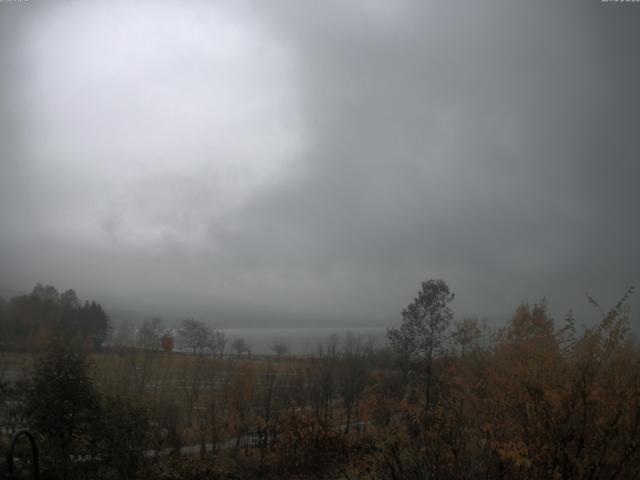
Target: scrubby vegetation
{"points": [[446, 400]]}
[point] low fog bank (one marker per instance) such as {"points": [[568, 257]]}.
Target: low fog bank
{"points": [[304, 340]]}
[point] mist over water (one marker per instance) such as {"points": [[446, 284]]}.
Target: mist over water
{"points": [[303, 340]]}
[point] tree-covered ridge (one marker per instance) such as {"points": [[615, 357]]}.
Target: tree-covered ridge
{"points": [[30, 321]]}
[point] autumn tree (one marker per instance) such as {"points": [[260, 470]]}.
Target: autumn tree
{"points": [[149, 334], [92, 322], [322, 380], [73, 419], [239, 345], [62, 404], [46, 293], [353, 375], [122, 435], [269, 401], [166, 342], [240, 397], [195, 335], [192, 380], [124, 334], [466, 334], [219, 343], [217, 377], [421, 336], [280, 348], [306, 448], [69, 299]]}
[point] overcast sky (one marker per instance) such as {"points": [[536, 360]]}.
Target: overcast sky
{"points": [[321, 158]]}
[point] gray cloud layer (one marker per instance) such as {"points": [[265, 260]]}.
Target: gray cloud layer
{"points": [[322, 158]]}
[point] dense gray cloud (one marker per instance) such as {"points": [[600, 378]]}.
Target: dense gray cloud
{"points": [[320, 160]]}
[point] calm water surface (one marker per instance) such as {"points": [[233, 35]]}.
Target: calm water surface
{"points": [[301, 341]]}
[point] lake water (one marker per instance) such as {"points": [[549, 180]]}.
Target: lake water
{"points": [[301, 341]]}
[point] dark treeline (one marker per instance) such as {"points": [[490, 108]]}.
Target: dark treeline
{"points": [[31, 321], [445, 400]]}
